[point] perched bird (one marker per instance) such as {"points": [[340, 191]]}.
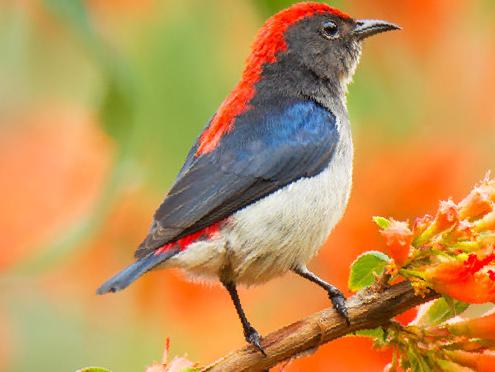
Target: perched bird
{"points": [[270, 175]]}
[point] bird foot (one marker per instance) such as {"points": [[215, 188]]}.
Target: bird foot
{"points": [[338, 301], [253, 337]]}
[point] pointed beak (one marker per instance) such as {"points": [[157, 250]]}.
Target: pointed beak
{"points": [[368, 27]]}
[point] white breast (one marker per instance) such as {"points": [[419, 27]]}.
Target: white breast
{"points": [[279, 232], [287, 228]]}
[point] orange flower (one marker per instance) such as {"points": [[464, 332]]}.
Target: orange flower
{"points": [[477, 203], [447, 216], [398, 238], [486, 223], [483, 327], [176, 365], [68, 157], [480, 362], [421, 224], [464, 231], [469, 280]]}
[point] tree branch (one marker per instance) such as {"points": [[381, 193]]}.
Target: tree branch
{"points": [[369, 308]]}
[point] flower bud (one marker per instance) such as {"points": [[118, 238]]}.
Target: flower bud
{"points": [[480, 362], [447, 216], [468, 281], [477, 203], [398, 238], [483, 327]]}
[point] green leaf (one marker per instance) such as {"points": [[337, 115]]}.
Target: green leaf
{"points": [[364, 269], [93, 369], [382, 222], [447, 365], [441, 310], [415, 361], [378, 334]]}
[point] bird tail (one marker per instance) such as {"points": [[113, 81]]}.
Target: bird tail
{"points": [[125, 277]]}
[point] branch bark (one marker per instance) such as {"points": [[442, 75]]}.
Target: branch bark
{"points": [[369, 308]]}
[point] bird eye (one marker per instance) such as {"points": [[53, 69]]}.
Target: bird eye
{"points": [[329, 30]]}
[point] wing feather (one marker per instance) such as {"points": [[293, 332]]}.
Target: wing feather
{"points": [[271, 147]]}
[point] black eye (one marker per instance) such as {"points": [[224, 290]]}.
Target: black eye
{"points": [[329, 30]]}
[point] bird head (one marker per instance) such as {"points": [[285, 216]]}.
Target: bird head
{"points": [[309, 49], [315, 37]]}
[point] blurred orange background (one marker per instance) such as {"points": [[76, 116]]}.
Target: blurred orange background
{"points": [[99, 103]]}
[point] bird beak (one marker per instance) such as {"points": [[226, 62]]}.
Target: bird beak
{"points": [[368, 27]]}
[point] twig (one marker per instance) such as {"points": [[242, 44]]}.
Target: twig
{"points": [[367, 309]]}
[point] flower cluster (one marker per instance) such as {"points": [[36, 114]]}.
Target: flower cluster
{"points": [[453, 252], [177, 364], [459, 344]]}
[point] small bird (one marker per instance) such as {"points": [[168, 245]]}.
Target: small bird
{"points": [[270, 175]]}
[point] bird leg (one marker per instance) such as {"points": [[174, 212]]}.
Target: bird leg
{"points": [[336, 296], [250, 334]]}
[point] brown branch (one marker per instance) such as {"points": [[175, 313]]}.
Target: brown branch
{"points": [[368, 308]]}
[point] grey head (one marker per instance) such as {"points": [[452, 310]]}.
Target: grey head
{"points": [[323, 51]]}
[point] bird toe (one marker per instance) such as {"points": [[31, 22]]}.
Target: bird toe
{"points": [[339, 305], [254, 339]]}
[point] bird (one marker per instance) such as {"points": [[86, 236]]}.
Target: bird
{"points": [[270, 175]]}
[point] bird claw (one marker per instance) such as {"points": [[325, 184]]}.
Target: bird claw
{"points": [[253, 337], [338, 301]]}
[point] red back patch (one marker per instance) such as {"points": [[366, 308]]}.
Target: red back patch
{"points": [[268, 43]]}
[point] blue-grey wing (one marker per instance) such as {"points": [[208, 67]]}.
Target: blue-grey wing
{"points": [[271, 147]]}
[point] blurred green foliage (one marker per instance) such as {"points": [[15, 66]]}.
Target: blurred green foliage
{"points": [[152, 99], [270, 7], [61, 337]]}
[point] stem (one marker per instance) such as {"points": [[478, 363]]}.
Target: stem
{"points": [[414, 273], [367, 309]]}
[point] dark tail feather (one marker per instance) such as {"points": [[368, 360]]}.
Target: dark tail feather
{"points": [[122, 279]]}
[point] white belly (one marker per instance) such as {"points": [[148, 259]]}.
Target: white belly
{"points": [[277, 233]]}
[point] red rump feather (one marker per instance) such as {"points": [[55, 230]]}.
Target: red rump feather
{"points": [[269, 41], [206, 233]]}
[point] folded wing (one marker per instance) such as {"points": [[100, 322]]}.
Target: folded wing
{"points": [[271, 147]]}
